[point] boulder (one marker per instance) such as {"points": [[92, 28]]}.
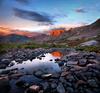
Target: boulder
{"points": [[71, 63], [33, 89], [4, 85], [89, 43], [60, 88], [22, 84], [82, 62], [92, 83]]}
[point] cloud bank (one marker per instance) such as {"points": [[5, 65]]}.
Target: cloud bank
{"points": [[33, 16]]}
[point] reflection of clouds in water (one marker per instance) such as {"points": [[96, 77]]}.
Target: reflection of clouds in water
{"points": [[44, 64]]}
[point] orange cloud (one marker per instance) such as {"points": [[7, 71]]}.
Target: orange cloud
{"points": [[4, 31]]}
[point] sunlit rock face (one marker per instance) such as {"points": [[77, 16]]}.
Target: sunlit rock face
{"points": [[45, 63], [56, 32]]}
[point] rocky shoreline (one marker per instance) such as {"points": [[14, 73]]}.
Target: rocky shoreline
{"points": [[80, 73]]}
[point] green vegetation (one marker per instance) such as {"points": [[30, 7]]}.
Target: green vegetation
{"points": [[89, 48], [5, 47]]}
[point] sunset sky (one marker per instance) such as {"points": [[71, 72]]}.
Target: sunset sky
{"points": [[36, 15]]}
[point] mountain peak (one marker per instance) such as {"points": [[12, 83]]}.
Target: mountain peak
{"points": [[96, 24]]}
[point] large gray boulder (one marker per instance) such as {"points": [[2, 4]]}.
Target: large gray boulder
{"points": [[90, 43]]}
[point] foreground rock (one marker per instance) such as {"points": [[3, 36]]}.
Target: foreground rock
{"points": [[4, 85], [33, 89], [80, 73]]}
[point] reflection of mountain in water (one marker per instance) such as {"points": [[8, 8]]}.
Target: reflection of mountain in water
{"points": [[57, 54]]}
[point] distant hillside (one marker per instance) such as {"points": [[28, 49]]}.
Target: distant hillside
{"points": [[13, 38], [41, 38], [20, 36], [8, 31]]}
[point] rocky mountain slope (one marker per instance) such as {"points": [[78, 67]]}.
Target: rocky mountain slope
{"points": [[84, 32]]}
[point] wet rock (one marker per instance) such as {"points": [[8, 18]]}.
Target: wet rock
{"points": [[62, 79], [92, 83], [92, 56], [4, 85], [13, 71], [6, 61], [80, 82], [63, 74], [3, 66], [41, 91], [19, 60], [22, 84], [42, 55], [51, 60], [71, 63], [88, 91], [70, 78], [38, 73], [33, 89], [88, 55], [56, 75], [53, 85], [82, 62], [15, 76], [67, 84], [45, 85], [5, 71], [33, 57], [57, 59], [70, 90], [92, 61], [46, 76], [39, 58], [12, 63], [60, 88], [61, 63]]}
